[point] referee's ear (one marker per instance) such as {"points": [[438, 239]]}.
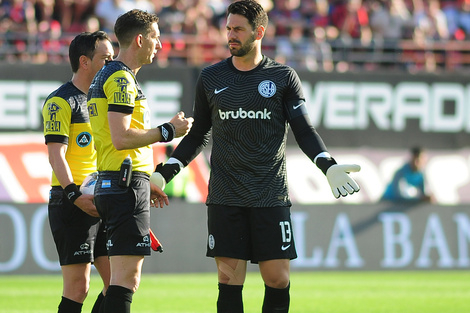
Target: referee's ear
{"points": [[83, 61]]}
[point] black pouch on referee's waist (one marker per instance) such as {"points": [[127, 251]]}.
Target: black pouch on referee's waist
{"points": [[125, 175]]}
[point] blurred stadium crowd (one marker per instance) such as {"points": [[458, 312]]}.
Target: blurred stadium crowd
{"points": [[317, 35]]}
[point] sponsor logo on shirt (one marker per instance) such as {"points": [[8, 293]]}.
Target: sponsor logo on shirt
{"points": [[242, 114], [92, 111], [52, 125], [122, 96]]}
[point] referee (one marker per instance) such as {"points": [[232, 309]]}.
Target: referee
{"points": [[247, 102], [75, 224], [120, 118]]}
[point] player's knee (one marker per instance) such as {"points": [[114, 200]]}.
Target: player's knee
{"points": [[231, 274], [279, 281], [77, 292], [133, 284], [275, 273]]}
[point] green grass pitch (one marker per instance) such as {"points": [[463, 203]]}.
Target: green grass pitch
{"points": [[311, 292]]}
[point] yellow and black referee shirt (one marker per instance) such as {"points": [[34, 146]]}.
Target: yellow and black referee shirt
{"points": [[116, 89], [66, 121]]}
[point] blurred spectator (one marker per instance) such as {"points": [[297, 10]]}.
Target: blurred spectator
{"points": [[283, 14], [44, 14], [463, 19], [352, 19], [73, 13], [430, 27], [430, 21], [389, 20], [450, 8], [20, 28], [320, 15], [409, 182], [53, 48], [108, 11], [299, 51]]}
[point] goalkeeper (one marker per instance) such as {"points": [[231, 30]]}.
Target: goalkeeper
{"points": [[247, 102]]}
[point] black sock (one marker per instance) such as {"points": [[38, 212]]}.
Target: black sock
{"points": [[118, 300], [69, 306], [276, 300], [98, 302], [230, 299]]}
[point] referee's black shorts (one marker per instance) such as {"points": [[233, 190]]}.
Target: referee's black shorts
{"points": [[255, 234], [79, 237], [125, 211]]}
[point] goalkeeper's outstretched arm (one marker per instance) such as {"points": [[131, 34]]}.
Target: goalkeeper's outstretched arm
{"points": [[341, 183]]}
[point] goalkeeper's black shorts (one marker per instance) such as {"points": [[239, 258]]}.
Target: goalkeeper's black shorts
{"points": [[79, 237], [255, 234]]}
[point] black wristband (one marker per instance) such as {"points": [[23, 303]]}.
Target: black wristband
{"points": [[325, 163], [167, 131], [72, 192]]}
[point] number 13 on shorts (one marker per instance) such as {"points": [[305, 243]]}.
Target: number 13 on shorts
{"points": [[286, 231]]}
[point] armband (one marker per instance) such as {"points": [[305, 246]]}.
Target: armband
{"points": [[72, 192], [325, 163], [168, 132]]}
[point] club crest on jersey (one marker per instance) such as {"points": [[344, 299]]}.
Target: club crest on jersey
{"points": [[267, 88], [83, 139]]}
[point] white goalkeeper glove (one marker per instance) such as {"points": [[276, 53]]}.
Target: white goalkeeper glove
{"points": [[341, 183], [157, 179]]}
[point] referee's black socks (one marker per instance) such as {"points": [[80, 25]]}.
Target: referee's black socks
{"points": [[98, 307], [230, 299], [276, 300], [69, 306], [118, 300]]}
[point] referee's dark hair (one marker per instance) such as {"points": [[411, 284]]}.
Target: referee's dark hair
{"points": [[85, 44], [132, 23], [252, 10]]}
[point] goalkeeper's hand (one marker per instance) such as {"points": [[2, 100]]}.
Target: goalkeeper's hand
{"points": [[340, 182], [164, 173]]}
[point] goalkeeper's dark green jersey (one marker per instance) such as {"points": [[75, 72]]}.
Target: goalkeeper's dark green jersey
{"points": [[248, 115]]}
